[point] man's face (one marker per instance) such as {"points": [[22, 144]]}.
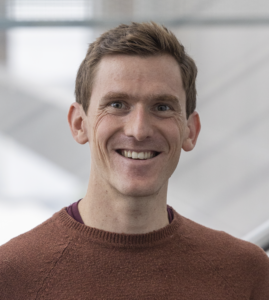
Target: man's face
{"points": [[136, 123]]}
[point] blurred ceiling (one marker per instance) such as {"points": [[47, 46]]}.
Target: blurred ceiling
{"points": [[112, 12]]}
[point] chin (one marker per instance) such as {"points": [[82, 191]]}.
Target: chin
{"points": [[139, 190]]}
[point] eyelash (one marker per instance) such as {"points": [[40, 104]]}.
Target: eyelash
{"points": [[116, 102], [167, 106], [123, 105]]}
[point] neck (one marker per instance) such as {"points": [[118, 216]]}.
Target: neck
{"points": [[105, 208]]}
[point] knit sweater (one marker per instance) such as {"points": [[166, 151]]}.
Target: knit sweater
{"points": [[63, 259]]}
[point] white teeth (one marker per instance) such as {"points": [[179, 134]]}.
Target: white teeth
{"points": [[134, 155], [141, 155], [137, 155]]}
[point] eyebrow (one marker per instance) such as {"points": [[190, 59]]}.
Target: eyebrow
{"points": [[164, 98], [110, 96]]}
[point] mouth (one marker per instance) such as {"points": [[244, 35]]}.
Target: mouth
{"points": [[142, 155]]}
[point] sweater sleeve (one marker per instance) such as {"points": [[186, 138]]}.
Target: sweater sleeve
{"points": [[261, 268], [27, 260], [11, 282]]}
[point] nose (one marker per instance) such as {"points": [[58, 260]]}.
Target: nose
{"points": [[138, 124]]}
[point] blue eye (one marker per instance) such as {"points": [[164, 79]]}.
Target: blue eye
{"points": [[117, 105], [163, 107]]}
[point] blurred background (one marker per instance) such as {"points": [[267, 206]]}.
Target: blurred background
{"points": [[222, 184]]}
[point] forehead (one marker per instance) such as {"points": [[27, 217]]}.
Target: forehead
{"points": [[138, 76]]}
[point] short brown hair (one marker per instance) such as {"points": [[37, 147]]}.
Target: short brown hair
{"points": [[142, 39]]}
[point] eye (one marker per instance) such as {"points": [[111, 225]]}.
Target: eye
{"points": [[163, 107], [117, 105]]}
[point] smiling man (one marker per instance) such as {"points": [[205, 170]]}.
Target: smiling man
{"points": [[135, 106], [136, 125]]}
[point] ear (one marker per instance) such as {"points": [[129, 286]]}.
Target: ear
{"points": [[193, 129], [76, 119]]}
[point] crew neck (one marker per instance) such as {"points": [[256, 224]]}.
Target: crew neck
{"points": [[73, 211], [120, 239]]}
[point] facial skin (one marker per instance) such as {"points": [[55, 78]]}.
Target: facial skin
{"points": [[138, 104]]}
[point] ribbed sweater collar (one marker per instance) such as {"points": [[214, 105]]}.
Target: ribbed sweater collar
{"points": [[120, 239]]}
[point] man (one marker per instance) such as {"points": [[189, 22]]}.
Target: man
{"points": [[135, 105]]}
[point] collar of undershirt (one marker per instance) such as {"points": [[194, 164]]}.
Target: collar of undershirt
{"points": [[120, 239], [73, 211]]}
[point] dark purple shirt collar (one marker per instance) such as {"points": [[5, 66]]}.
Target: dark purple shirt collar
{"points": [[72, 210]]}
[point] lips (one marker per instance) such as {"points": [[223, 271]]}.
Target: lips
{"points": [[142, 155]]}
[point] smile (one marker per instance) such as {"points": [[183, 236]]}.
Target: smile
{"points": [[138, 155]]}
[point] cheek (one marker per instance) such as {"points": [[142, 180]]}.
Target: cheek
{"points": [[181, 123], [175, 129], [104, 129]]}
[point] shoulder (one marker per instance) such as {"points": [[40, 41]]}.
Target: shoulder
{"points": [[218, 243], [239, 262], [41, 236], [27, 259]]}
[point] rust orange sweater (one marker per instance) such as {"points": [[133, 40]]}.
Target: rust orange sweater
{"points": [[63, 259]]}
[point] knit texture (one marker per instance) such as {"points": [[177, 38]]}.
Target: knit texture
{"points": [[63, 259]]}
